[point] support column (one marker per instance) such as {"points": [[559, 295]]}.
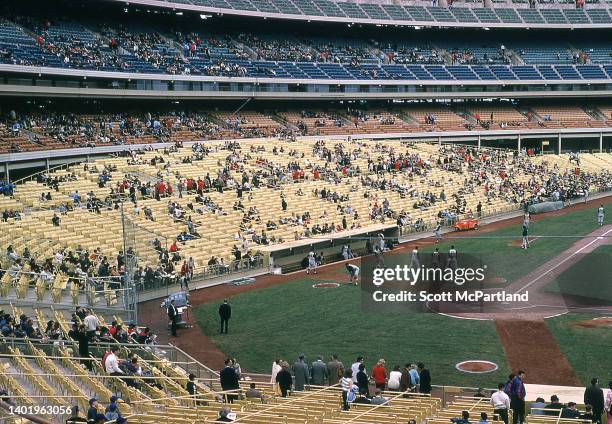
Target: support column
{"points": [[518, 144], [600, 142], [439, 140], [559, 144], [47, 164], [7, 176], [479, 142]]}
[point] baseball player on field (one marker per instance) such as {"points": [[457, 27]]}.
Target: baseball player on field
{"points": [[525, 243], [353, 271], [601, 214], [414, 258], [312, 263]]}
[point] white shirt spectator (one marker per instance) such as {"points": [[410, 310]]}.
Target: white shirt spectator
{"points": [[500, 400], [394, 380], [91, 322], [112, 364], [355, 369]]}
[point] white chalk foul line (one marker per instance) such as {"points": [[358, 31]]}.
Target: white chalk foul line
{"points": [[595, 240]]}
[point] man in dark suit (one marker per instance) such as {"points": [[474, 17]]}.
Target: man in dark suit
{"points": [[173, 315], [229, 381], [225, 313], [593, 395], [424, 379], [318, 372]]}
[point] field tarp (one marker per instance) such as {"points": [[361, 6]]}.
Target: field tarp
{"points": [[545, 207]]}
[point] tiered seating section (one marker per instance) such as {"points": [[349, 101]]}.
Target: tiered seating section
{"points": [[116, 48], [26, 133], [222, 224]]}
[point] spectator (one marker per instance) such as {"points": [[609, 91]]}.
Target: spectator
{"points": [[111, 363], [318, 372], [300, 373], [225, 415], [253, 393], [537, 406], [588, 414], [229, 381], [346, 383], [593, 395], [425, 379], [517, 398], [284, 379], [91, 324], [379, 374], [92, 412], [378, 398], [113, 414], [355, 368], [395, 378], [465, 418], [554, 407], [363, 380], [501, 403], [335, 370], [570, 411]]}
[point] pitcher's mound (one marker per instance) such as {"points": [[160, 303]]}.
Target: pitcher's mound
{"points": [[477, 366]]}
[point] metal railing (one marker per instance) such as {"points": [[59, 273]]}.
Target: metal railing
{"points": [[172, 281]]}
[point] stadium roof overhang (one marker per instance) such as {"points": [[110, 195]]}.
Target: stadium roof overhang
{"points": [[175, 6]]}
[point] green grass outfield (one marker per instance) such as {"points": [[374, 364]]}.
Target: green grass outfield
{"points": [[589, 278], [287, 319], [587, 349]]}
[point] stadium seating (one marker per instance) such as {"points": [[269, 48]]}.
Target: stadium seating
{"points": [[221, 221], [60, 131], [276, 55]]}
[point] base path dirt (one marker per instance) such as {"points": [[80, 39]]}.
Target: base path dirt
{"points": [[530, 346], [600, 322]]}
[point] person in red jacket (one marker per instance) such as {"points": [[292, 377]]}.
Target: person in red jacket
{"points": [[379, 374]]}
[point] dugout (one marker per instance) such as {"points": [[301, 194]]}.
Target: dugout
{"points": [[289, 256]]}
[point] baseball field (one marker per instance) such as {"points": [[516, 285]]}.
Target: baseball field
{"points": [[568, 255]]}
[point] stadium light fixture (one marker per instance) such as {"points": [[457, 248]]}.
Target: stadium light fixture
{"points": [[179, 13], [486, 28], [203, 16]]}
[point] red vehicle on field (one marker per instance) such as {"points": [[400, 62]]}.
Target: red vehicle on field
{"points": [[467, 223]]}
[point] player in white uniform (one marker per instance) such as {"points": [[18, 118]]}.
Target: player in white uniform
{"points": [[414, 258], [353, 271], [438, 232], [601, 214], [312, 263], [451, 260], [381, 242]]}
